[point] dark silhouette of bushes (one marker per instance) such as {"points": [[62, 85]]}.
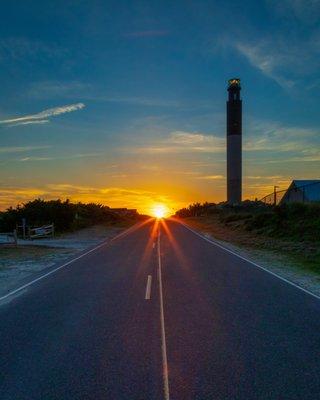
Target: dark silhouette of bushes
{"points": [[300, 221], [297, 221], [64, 214], [196, 210]]}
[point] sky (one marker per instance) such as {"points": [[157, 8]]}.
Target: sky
{"points": [[123, 102]]}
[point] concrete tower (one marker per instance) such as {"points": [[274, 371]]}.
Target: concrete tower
{"points": [[234, 142]]}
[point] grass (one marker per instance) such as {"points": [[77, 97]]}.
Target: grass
{"points": [[291, 236], [306, 263]]}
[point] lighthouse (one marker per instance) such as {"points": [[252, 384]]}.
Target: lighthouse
{"points": [[234, 142]]}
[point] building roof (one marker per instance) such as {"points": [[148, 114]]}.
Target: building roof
{"points": [[303, 182], [311, 188]]}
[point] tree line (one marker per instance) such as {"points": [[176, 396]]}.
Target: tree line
{"points": [[64, 214]]}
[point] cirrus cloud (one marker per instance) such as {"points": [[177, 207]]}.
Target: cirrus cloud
{"points": [[42, 117]]}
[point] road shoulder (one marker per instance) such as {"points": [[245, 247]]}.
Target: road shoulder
{"points": [[280, 263], [20, 264]]}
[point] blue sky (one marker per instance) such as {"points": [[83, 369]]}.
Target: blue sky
{"points": [[123, 102]]}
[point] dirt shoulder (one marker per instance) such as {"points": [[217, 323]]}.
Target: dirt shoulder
{"points": [[296, 261], [17, 264]]}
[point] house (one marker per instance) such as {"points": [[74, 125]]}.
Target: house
{"points": [[302, 191], [124, 212]]}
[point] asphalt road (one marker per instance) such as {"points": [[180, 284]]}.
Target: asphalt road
{"points": [[215, 326]]}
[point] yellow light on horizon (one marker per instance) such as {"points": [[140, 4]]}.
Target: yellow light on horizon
{"points": [[159, 211]]}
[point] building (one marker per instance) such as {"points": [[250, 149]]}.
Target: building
{"points": [[234, 142], [304, 191], [124, 212]]}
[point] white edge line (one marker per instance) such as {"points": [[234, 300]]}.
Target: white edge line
{"points": [[249, 261], [148, 288], [163, 332], [64, 265]]}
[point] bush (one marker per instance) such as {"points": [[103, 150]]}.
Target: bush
{"points": [[196, 210], [295, 221], [64, 214], [234, 217]]}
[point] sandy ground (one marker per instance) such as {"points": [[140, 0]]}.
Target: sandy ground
{"points": [[279, 262], [30, 257]]}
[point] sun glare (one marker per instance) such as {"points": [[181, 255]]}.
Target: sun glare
{"points": [[159, 211]]}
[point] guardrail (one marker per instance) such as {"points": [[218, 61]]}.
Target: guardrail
{"points": [[41, 231], [10, 237]]}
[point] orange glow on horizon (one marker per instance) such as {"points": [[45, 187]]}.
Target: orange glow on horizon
{"points": [[145, 199]]}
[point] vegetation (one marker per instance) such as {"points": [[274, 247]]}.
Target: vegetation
{"points": [[296, 221], [289, 230], [65, 215]]}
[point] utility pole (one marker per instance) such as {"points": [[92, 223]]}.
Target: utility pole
{"points": [[275, 195]]}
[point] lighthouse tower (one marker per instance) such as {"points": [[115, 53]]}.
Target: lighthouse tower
{"points": [[234, 142]]}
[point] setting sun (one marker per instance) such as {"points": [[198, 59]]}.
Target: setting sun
{"points": [[159, 211]]}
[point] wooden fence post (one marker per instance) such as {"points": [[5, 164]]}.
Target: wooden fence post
{"points": [[15, 237]]}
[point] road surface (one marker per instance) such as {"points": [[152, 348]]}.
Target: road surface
{"points": [[159, 313]]}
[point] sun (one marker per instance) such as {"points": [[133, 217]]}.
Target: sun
{"points": [[159, 211]]}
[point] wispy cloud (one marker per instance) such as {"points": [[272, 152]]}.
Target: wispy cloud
{"points": [[187, 138], [266, 61], [264, 136], [68, 157], [31, 122], [21, 149], [211, 177], [257, 177], [263, 142], [289, 53], [42, 117], [261, 136], [183, 142], [24, 159]]}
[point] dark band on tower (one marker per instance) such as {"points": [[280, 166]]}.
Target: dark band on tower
{"points": [[234, 142]]}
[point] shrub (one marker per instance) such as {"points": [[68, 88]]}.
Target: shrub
{"points": [[64, 214]]}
